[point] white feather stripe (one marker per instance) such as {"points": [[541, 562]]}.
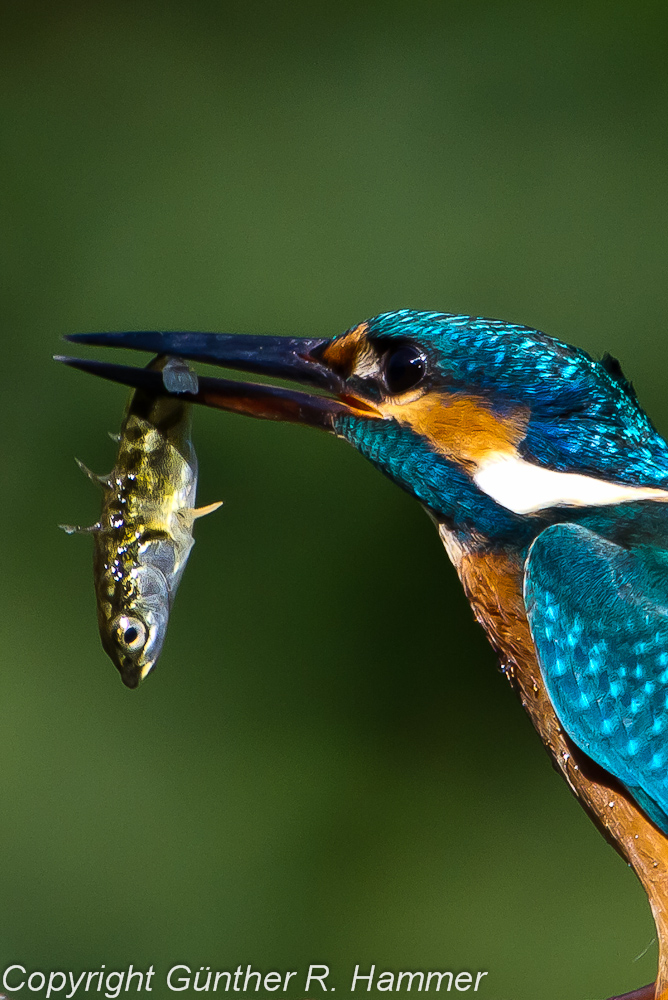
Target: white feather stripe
{"points": [[524, 488]]}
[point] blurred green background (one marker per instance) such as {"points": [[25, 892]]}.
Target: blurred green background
{"points": [[327, 766]]}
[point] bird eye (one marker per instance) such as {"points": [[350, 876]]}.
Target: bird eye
{"points": [[404, 368], [130, 633]]}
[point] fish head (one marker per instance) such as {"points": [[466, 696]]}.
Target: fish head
{"points": [[134, 635]]}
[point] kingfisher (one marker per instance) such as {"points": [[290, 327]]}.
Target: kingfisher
{"points": [[548, 485]]}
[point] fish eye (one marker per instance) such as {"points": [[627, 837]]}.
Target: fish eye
{"points": [[404, 368], [131, 633]]}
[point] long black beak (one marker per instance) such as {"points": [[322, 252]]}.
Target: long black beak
{"points": [[294, 358]]}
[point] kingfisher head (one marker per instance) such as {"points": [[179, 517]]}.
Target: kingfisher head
{"points": [[488, 424]]}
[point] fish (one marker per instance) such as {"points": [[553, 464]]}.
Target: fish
{"points": [[145, 532]]}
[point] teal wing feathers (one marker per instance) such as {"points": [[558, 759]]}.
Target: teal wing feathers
{"points": [[598, 615]]}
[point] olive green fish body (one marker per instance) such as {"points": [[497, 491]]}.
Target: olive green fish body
{"points": [[144, 535]]}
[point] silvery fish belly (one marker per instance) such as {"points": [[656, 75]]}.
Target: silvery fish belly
{"points": [[144, 535]]}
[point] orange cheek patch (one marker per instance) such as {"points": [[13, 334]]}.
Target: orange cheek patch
{"points": [[342, 353], [461, 427]]}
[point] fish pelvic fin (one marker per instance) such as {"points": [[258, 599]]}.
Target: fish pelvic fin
{"points": [[196, 512], [93, 476], [189, 515]]}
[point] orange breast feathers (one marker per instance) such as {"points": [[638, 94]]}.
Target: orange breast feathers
{"points": [[493, 583]]}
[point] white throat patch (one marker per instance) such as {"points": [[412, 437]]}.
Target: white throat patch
{"points": [[525, 488]]}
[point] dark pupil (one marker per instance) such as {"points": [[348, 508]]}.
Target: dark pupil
{"points": [[130, 635], [403, 369]]}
